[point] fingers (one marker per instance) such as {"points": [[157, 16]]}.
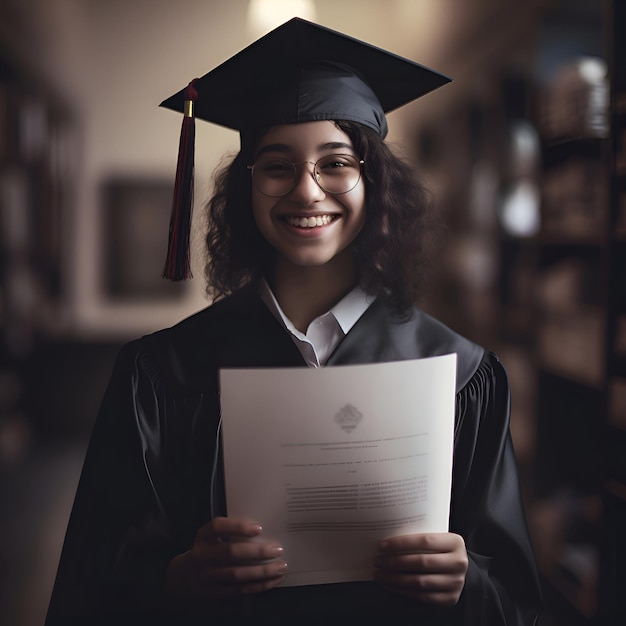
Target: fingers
{"points": [[423, 542], [229, 529], [443, 562], [230, 558], [433, 588], [233, 580], [439, 589], [429, 567], [229, 541], [438, 598], [239, 580], [239, 552]]}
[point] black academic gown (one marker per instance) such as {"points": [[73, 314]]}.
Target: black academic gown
{"points": [[148, 481]]}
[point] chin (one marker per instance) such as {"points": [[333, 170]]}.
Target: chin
{"points": [[309, 262]]}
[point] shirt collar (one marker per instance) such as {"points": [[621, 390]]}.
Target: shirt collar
{"points": [[350, 308], [347, 311]]}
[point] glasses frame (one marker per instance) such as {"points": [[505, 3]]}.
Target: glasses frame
{"points": [[315, 175]]}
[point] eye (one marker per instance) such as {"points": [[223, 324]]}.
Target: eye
{"points": [[337, 163], [274, 168]]}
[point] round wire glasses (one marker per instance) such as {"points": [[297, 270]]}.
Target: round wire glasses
{"points": [[277, 176]]}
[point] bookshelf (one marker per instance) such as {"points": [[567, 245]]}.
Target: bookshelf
{"points": [[578, 511], [612, 577], [37, 152]]}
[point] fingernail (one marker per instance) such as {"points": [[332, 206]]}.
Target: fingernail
{"points": [[277, 551], [282, 567]]}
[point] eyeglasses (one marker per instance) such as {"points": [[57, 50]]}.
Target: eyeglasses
{"points": [[334, 173]]}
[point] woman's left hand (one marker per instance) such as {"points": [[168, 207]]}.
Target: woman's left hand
{"points": [[430, 567]]}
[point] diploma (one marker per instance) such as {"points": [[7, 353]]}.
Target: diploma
{"points": [[332, 460]]}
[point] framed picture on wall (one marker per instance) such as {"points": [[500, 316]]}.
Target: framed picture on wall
{"points": [[136, 220]]}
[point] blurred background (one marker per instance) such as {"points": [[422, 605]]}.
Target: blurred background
{"points": [[525, 155]]}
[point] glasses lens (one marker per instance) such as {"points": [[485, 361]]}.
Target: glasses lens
{"points": [[334, 173], [273, 176], [338, 173]]}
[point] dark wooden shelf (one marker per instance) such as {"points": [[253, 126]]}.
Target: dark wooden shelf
{"points": [[590, 240], [616, 460], [619, 103], [572, 378], [617, 365], [557, 151]]}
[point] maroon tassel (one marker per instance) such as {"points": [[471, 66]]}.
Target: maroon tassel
{"points": [[177, 264]]}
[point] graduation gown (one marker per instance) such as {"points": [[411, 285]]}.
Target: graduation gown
{"points": [[148, 481]]}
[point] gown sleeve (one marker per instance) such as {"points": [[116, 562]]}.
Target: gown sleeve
{"points": [[119, 537], [502, 584]]}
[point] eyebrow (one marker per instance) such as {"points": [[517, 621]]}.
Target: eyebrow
{"points": [[286, 148]]}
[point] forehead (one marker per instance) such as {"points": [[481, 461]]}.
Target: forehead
{"points": [[304, 138]]}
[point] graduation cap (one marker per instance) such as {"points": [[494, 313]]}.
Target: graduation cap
{"points": [[299, 72]]}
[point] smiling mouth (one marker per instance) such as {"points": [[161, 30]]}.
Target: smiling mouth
{"points": [[309, 222]]}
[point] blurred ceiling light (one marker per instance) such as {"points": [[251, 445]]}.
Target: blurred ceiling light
{"points": [[525, 144], [592, 69], [264, 15], [520, 212]]}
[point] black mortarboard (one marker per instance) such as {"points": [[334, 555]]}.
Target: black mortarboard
{"points": [[298, 72]]}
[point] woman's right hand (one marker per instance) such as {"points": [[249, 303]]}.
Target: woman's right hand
{"points": [[227, 559]]}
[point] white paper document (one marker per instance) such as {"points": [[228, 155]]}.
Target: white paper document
{"points": [[332, 460]]}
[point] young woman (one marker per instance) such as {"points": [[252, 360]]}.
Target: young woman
{"points": [[318, 244]]}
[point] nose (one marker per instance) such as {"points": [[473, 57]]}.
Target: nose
{"points": [[306, 190]]}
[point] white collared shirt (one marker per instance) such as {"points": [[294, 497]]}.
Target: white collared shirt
{"points": [[326, 331]]}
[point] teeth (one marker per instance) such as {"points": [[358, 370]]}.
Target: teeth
{"points": [[309, 222]]}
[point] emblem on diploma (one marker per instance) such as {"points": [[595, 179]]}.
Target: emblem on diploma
{"points": [[348, 417]]}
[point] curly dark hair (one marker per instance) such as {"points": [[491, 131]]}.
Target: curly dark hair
{"points": [[395, 247]]}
